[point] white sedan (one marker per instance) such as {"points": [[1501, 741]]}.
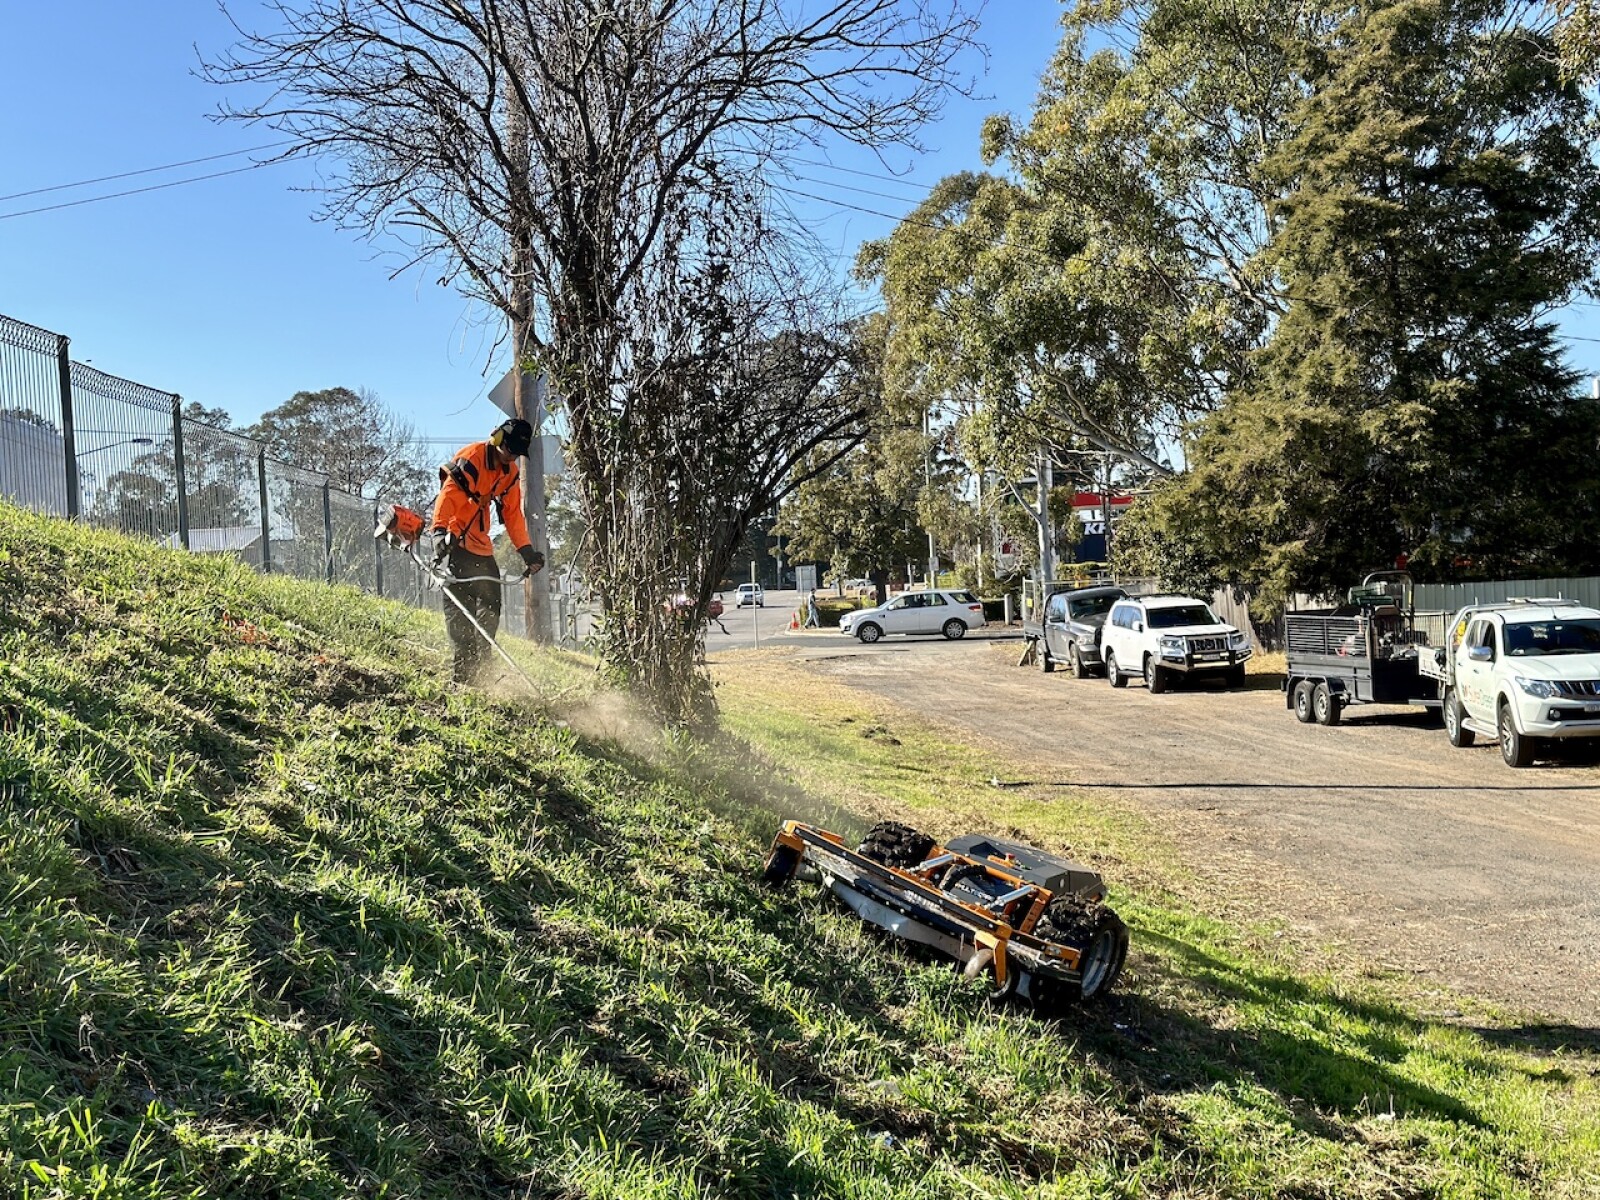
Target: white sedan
{"points": [[949, 612]]}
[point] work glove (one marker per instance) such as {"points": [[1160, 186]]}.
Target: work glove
{"points": [[442, 544], [531, 559]]}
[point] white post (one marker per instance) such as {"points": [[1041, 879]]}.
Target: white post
{"points": [[1046, 479]]}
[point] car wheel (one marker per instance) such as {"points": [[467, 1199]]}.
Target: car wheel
{"points": [[1455, 727], [1516, 749], [1075, 662], [954, 629], [1302, 702], [1325, 705], [1235, 678], [1046, 663], [1155, 678], [1117, 678], [868, 632]]}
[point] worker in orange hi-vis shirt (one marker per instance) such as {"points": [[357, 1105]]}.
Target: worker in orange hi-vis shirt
{"points": [[481, 477]]}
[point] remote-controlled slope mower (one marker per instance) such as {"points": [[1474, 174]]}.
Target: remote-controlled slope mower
{"points": [[1032, 922]]}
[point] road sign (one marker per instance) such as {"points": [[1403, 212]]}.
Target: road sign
{"points": [[533, 388]]}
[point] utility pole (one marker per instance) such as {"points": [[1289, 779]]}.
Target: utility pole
{"points": [[927, 484], [1105, 509], [528, 407]]}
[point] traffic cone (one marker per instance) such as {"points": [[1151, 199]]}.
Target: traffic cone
{"points": [[794, 620]]}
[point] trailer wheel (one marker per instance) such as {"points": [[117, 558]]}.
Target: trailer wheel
{"points": [[1096, 932], [1454, 721], [1155, 678], [895, 844], [1075, 662], [1117, 678], [1326, 705], [781, 866], [1303, 712], [1516, 749]]}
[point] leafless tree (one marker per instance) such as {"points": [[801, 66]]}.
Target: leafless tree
{"points": [[600, 172]]}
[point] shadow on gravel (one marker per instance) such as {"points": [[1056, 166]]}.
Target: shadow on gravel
{"points": [[1170, 786], [1544, 1038]]}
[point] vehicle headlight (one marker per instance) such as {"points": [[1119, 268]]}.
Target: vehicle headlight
{"points": [[1542, 688], [1238, 641], [1172, 647]]}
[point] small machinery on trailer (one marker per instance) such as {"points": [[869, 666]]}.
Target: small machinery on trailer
{"points": [[1366, 651], [1032, 922]]}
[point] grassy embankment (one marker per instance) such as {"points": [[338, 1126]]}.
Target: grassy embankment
{"points": [[285, 916]]}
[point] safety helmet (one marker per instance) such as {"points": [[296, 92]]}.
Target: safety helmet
{"points": [[513, 437]]}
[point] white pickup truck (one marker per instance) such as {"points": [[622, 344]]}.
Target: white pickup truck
{"points": [[1523, 672]]}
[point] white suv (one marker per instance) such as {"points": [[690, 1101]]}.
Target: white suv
{"points": [[751, 593], [1163, 637], [951, 613]]}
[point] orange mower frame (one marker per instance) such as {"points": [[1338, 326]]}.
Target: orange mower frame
{"points": [[1034, 923]]}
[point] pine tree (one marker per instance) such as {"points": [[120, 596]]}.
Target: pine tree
{"points": [[1439, 198]]}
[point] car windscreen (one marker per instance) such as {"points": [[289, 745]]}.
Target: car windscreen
{"points": [[1526, 639], [1181, 614], [1094, 606]]}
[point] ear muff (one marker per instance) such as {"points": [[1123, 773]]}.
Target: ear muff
{"points": [[497, 437]]}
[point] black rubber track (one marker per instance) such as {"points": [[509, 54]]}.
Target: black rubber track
{"points": [[895, 844]]}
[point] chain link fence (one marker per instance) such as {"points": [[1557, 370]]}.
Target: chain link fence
{"points": [[76, 442]]}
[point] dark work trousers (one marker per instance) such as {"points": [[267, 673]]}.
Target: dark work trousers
{"points": [[482, 600]]}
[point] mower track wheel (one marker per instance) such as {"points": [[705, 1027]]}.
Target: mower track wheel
{"points": [[781, 866], [895, 844], [1096, 932]]}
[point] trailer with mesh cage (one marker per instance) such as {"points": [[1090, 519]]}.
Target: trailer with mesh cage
{"points": [[1367, 650]]}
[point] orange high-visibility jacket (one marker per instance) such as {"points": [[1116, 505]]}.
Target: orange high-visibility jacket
{"points": [[469, 486]]}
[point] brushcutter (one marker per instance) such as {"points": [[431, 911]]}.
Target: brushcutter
{"points": [[402, 528]]}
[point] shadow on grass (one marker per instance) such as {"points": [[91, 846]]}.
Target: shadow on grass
{"points": [[1176, 1050]]}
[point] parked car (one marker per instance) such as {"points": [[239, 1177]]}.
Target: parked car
{"points": [[1168, 637], [684, 603], [949, 612], [1524, 672], [859, 587], [1070, 630], [751, 593]]}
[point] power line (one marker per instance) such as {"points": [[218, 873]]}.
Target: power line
{"points": [[886, 177], [154, 187], [188, 162]]}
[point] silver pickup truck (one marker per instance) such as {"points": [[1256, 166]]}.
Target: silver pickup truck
{"points": [[1064, 630]]}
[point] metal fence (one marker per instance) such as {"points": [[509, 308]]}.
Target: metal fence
{"points": [[77, 442], [1453, 596]]}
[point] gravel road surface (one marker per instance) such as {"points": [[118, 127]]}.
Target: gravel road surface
{"points": [[1375, 834]]}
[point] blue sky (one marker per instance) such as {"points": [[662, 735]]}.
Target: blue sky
{"points": [[229, 293]]}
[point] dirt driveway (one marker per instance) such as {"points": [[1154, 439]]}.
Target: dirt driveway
{"points": [[1375, 834]]}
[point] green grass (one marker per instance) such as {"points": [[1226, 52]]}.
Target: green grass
{"points": [[1289, 1070], [285, 915]]}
